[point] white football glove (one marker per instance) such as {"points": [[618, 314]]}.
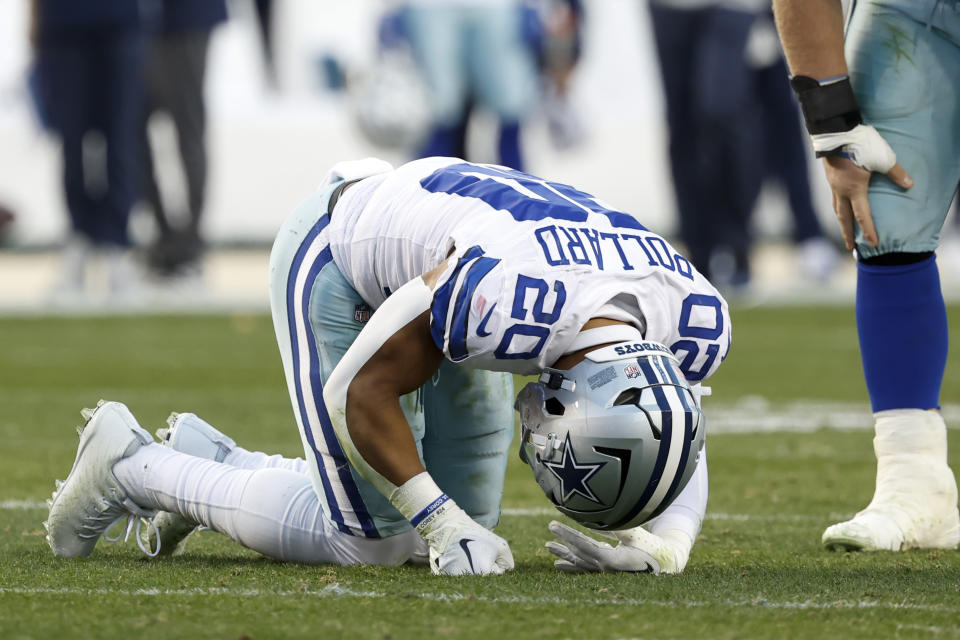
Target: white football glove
{"points": [[865, 146], [459, 545], [638, 551]]}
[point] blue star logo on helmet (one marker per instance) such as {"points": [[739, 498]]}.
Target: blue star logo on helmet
{"points": [[573, 475]]}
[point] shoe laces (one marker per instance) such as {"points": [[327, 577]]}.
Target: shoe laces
{"points": [[134, 525], [118, 508]]}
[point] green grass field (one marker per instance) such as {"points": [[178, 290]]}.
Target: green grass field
{"points": [[756, 572]]}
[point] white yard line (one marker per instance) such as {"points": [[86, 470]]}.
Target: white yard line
{"points": [[755, 414], [535, 512], [337, 591]]}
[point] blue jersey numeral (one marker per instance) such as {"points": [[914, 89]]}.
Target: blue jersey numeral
{"points": [[523, 196], [688, 332]]}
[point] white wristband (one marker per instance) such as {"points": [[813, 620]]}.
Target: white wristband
{"points": [[422, 502]]}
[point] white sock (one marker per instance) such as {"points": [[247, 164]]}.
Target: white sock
{"points": [[273, 511], [686, 513]]}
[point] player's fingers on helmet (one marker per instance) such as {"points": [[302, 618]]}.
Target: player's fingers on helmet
{"points": [[844, 211], [861, 211], [900, 176]]}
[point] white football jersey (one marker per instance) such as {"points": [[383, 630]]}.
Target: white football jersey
{"points": [[534, 261]]}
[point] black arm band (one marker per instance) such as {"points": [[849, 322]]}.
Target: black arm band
{"points": [[830, 108]]}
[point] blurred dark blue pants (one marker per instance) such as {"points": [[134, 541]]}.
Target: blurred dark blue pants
{"points": [[712, 114], [786, 142], [94, 81]]}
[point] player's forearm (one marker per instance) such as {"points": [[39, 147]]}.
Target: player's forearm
{"points": [[392, 356], [380, 433], [812, 35]]}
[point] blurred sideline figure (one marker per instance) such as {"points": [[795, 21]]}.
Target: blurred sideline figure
{"points": [[715, 149], [887, 92], [90, 61], [472, 50], [403, 299], [265, 13], [176, 68], [552, 30], [557, 42], [784, 150]]}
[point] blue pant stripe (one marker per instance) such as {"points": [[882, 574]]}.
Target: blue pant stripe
{"points": [[331, 499], [316, 383]]}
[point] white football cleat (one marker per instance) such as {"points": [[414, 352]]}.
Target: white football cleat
{"points": [[914, 505], [192, 435], [90, 501]]}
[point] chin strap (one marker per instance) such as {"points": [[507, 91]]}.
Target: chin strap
{"points": [[604, 335]]}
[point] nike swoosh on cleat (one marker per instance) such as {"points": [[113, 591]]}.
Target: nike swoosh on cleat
{"points": [[466, 550]]}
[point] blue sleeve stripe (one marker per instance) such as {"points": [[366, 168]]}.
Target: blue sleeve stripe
{"points": [[461, 313], [430, 508], [441, 298]]}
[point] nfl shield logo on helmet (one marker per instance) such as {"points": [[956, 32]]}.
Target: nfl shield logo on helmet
{"points": [[361, 313], [632, 371]]}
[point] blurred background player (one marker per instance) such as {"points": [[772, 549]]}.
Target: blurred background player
{"points": [[473, 50], [90, 61], [784, 157], [176, 70], [722, 74], [891, 99], [714, 147]]}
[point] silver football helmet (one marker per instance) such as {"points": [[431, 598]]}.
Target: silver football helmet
{"points": [[613, 440]]}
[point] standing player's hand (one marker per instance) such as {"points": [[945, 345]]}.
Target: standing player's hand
{"points": [[459, 546], [864, 152]]}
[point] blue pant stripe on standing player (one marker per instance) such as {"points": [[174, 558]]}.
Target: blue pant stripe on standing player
{"points": [[315, 412]]}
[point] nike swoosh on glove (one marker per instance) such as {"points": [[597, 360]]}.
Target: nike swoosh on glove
{"points": [[459, 546], [638, 551]]}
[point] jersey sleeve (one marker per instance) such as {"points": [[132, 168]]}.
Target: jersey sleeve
{"points": [[487, 315], [463, 312]]}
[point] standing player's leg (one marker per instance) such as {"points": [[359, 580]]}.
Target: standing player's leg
{"points": [[503, 71], [469, 427], [907, 91]]}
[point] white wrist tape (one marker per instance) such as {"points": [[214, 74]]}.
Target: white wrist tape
{"points": [[863, 144], [422, 502]]}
